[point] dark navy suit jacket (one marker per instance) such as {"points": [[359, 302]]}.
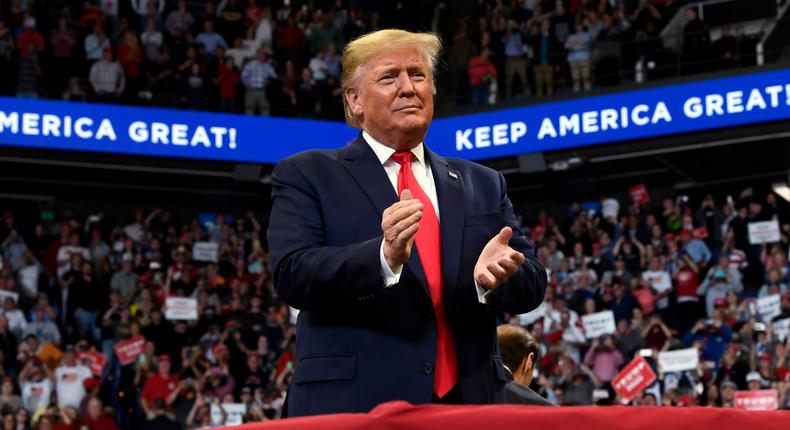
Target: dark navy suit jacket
{"points": [[357, 343]]}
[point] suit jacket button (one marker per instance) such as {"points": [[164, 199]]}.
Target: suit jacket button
{"points": [[428, 368]]}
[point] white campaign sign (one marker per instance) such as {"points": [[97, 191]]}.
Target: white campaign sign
{"points": [[781, 328], [769, 306], [764, 232], [598, 323], [610, 208], [679, 360], [205, 251], [234, 414], [181, 308]]}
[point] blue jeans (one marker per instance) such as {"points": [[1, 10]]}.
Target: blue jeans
{"points": [[86, 325], [480, 95], [227, 105]]}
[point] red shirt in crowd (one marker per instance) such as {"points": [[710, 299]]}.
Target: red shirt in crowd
{"points": [[101, 423], [290, 37], [252, 14], [51, 257], [646, 299], [90, 15], [478, 68], [158, 386], [28, 41], [686, 284], [282, 363], [130, 57], [228, 82]]}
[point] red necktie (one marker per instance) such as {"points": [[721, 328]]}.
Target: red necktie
{"points": [[429, 243]]}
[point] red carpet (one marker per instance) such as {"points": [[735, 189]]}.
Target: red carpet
{"points": [[401, 415]]}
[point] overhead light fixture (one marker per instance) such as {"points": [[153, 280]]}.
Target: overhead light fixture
{"points": [[782, 189]]}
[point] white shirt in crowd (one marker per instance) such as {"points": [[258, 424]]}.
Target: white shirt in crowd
{"points": [[571, 337], [64, 257], [660, 281], [142, 7], [263, 34], [36, 395], [554, 318], [28, 278], [110, 7], [69, 384], [151, 40], [422, 173], [17, 322], [240, 56], [318, 69], [133, 230]]}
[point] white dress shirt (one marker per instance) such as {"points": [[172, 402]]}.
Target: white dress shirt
{"points": [[422, 173]]}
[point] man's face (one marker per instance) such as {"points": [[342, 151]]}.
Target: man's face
{"points": [[394, 94]]}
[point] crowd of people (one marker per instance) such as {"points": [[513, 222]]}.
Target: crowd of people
{"points": [[678, 275], [78, 289], [283, 58], [519, 49]]}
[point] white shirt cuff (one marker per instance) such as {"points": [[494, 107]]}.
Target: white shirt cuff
{"points": [[482, 294], [391, 277]]}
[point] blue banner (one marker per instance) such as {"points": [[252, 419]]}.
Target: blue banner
{"points": [[623, 116], [162, 132]]}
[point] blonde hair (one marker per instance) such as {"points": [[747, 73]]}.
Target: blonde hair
{"points": [[364, 48]]}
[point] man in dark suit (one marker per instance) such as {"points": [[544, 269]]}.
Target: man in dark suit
{"points": [[397, 258], [520, 352]]}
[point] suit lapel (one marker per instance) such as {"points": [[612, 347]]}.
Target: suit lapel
{"points": [[452, 211], [361, 162], [367, 171]]}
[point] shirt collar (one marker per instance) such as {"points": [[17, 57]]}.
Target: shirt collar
{"points": [[384, 152]]}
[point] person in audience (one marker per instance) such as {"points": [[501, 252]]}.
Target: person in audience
{"points": [[520, 355]]}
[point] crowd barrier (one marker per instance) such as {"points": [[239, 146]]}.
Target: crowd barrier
{"points": [[402, 415]]}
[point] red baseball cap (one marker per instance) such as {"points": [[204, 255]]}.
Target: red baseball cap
{"points": [[164, 357], [91, 383]]}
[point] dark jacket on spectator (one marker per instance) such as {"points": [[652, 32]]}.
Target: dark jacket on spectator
{"points": [[516, 393]]}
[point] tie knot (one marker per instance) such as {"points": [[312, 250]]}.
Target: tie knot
{"points": [[402, 157]]}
